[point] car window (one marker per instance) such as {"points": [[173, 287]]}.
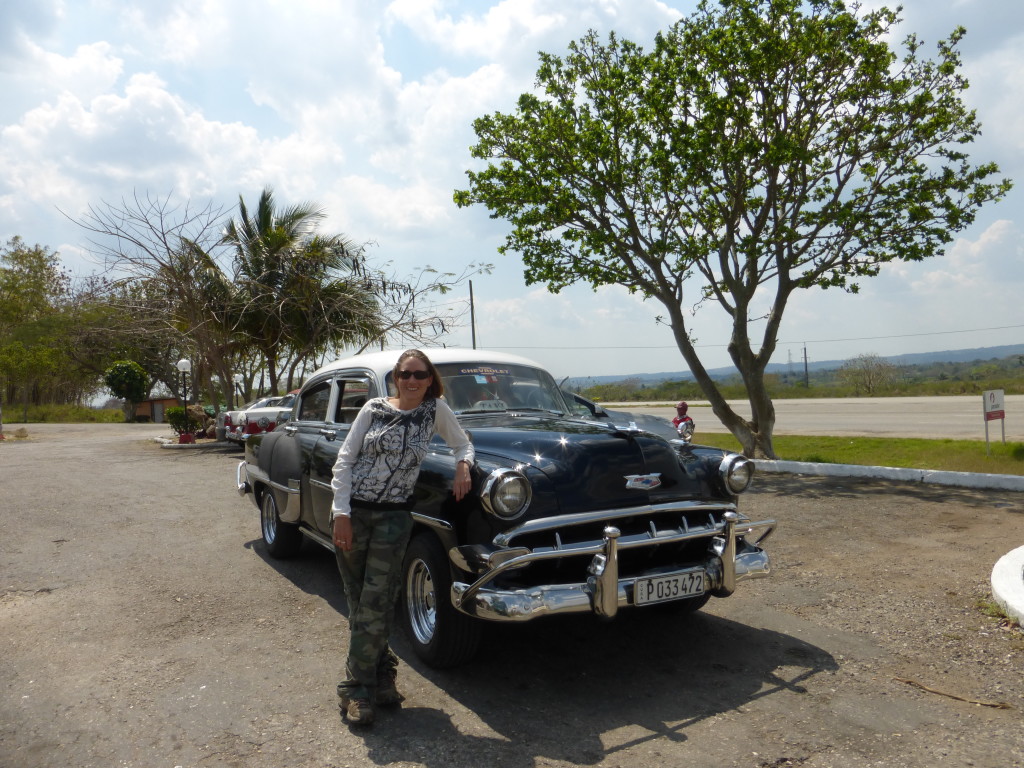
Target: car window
{"points": [[474, 386], [577, 406], [352, 395], [314, 401]]}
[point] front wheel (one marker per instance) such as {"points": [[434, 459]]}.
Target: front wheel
{"points": [[282, 539], [439, 634]]}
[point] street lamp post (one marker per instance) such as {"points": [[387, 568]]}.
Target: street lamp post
{"points": [[238, 379], [185, 366]]}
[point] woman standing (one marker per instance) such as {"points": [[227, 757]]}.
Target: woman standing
{"points": [[374, 477]]}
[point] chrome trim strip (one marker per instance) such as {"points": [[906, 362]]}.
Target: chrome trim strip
{"points": [[606, 515], [742, 528], [432, 522], [283, 488], [293, 506], [319, 538], [321, 484]]}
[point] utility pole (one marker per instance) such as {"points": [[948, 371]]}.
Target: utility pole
{"points": [[472, 314], [807, 378]]}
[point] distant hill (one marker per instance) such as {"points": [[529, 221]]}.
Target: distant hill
{"points": [[919, 358]]}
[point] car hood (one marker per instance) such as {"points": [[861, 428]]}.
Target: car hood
{"points": [[584, 466]]}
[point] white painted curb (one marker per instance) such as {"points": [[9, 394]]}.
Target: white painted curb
{"points": [[960, 479], [1008, 584]]}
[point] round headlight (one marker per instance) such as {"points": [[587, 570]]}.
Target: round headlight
{"points": [[737, 472], [506, 493]]}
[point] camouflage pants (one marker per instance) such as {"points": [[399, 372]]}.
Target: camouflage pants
{"points": [[371, 573]]}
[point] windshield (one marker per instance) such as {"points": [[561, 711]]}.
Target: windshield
{"points": [[474, 387], [260, 402]]}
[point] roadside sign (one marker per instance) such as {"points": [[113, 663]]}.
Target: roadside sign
{"points": [[992, 406]]}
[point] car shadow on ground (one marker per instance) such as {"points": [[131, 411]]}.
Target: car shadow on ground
{"points": [[579, 690], [574, 688], [313, 570]]}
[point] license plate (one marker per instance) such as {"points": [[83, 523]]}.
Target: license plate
{"points": [[675, 586]]}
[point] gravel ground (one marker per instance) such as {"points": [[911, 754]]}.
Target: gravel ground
{"points": [[145, 626]]}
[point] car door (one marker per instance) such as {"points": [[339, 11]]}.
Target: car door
{"points": [[351, 391], [298, 438]]}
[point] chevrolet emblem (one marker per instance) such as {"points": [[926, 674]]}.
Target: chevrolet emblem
{"points": [[643, 482]]}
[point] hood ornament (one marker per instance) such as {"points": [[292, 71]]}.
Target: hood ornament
{"points": [[643, 482]]}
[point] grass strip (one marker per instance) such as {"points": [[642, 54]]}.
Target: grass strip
{"points": [[912, 453]]}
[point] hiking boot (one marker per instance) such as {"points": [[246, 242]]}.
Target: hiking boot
{"points": [[357, 711], [387, 691]]}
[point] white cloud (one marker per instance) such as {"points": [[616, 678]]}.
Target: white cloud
{"points": [[145, 138], [993, 259], [181, 32], [491, 34], [20, 21], [517, 29], [367, 108]]}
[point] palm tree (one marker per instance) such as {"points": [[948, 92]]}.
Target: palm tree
{"points": [[294, 300]]}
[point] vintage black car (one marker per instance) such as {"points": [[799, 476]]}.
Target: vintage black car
{"points": [[567, 515]]}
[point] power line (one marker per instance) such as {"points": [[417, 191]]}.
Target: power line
{"points": [[905, 335], [781, 343]]}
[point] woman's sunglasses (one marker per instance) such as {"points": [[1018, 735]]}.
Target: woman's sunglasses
{"points": [[418, 375]]}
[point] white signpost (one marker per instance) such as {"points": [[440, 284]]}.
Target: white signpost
{"points": [[992, 404]]}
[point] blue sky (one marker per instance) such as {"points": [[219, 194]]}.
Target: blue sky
{"points": [[367, 108]]}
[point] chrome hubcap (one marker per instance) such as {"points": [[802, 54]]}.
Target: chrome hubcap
{"points": [[268, 518], [421, 602]]}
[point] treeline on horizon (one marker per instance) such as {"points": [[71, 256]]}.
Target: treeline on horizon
{"points": [[862, 376]]}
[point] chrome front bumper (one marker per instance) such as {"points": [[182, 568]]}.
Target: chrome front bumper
{"points": [[604, 592]]}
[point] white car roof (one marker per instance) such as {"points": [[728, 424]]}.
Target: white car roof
{"points": [[382, 362]]}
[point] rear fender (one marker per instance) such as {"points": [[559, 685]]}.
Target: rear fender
{"points": [[275, 475]]}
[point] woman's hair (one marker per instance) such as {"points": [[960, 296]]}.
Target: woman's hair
{"points": [[436, 385]]}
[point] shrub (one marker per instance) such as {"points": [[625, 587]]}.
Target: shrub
{"points": [[175, 416]]}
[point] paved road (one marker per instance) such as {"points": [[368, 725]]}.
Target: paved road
{"points": [[928, 417]]}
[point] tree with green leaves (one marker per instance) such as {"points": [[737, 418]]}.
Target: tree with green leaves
{"points": [[34, 295], [760, 147], [127, 380], [23, 367]]}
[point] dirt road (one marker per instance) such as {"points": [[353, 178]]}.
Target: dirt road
{"points": [[144, 626]]}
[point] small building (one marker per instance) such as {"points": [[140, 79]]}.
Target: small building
{"points": [[153, 410]]}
